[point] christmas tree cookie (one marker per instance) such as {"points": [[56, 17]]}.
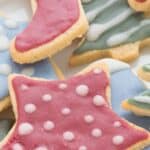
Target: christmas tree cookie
{"points": [[144, 72], [139, 105], [116, 30]]}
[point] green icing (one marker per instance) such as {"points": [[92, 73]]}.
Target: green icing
{"points": [[140, 104], [146, 67], [113, 11]]}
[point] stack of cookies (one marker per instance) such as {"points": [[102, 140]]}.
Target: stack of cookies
{"points": [[90, 110]]}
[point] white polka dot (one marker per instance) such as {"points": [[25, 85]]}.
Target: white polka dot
{"points": [[41, 148], [29, 71], [4, 43], [117, 140], [9, 23], [98, 100], [96, 132], [24, 87], [117, 124], [5, 69], [68, 136], [82, 90], [88, 118], [30, 108], [82, 147], [97, 70], [48, 125], [25, 128], [17, 146], [62, 86], [47, 97], [66, 111]]}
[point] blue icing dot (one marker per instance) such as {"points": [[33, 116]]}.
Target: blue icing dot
{"points": [[41, 69]]}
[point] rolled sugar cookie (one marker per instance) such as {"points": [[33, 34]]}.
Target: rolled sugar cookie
{"points": [[124, 84], [144, 72], [8, 29], [55, 24], [116, 31], [83, 106], [140, 104]]}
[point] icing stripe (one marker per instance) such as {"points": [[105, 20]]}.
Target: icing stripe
{"points": [[146, 67], [91, 15], [122, 37], [143, 99], [86, 1], [96, 30]]}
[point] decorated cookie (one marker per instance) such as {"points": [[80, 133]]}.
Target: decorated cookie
{"points": [[124, 85], [140, 5], [116, 30], [81, 102], [8, 29], [55, 24], [144, 72], [140, 104]]}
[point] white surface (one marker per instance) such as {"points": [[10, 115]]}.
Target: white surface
{"points": [[21, 10]]}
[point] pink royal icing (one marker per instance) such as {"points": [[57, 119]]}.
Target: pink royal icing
{"points": [[77, 117], [51, 19]]}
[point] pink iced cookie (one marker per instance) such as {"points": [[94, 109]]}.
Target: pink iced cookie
{"points": [[67, 115]]}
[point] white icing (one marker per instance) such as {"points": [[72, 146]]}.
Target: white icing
{"points": [[88, 118], [30, 108], [142, 99], [97, 70], [118, 139], [68, 136], [29, 71], [24, 87], [66, 111], [82, 90], [41, 148], [82, 147], [62, 86], [25, 128], [17, 146], [114, 65], [122, 37], [96, 132], [48, 125], [12, 24], [86, 1], [5, 69], [117, 124], [98, 100], [47, 97], [96, 30], [92, 14], [4, 43]]}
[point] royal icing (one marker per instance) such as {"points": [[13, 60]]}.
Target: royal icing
{"points": [[112, 23], [146, 67], [41, 69], [142, 100], [129, 84], [71, 132], [48, 21]]}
